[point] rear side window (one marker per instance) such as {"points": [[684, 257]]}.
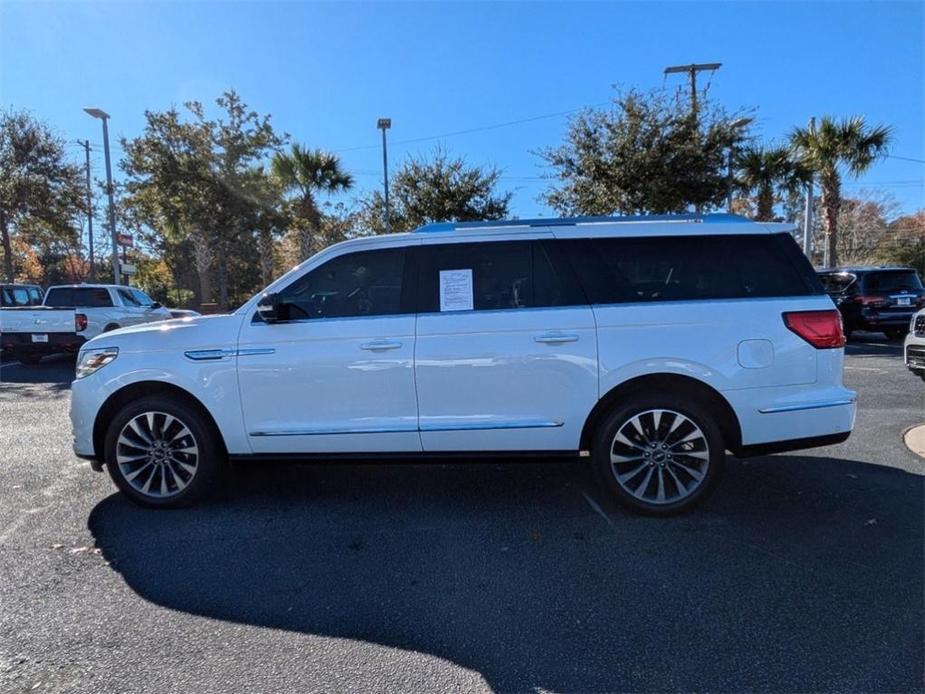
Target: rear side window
{"points": [[78, 297], [887, 281], [496, 275], [836, 282], [692, 268]]}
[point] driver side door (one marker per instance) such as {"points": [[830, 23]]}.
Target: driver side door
{"points": [[336, 374]]}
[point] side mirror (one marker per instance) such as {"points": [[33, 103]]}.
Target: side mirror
{"points": [[156, 305], [270, 308]]}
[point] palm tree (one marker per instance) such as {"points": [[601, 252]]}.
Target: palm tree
{"points": [[308, 172], [767, 172], [849, 144]]}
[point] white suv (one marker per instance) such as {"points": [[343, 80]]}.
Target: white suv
{"points": [[914, 346], [651, 345]]}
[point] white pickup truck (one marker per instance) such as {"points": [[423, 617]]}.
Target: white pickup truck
{"points": [[107, 306], [71, 315], [29, 333]]}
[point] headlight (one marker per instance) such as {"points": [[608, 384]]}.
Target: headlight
{"points": [[92, 360]]}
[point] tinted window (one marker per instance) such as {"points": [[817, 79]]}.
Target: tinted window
{"points": [[891, 281], [695, 267], [836, 282], [367, 283], [501, 273], [86, 297], [35, 296]]}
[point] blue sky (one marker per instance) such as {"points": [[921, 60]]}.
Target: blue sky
{"points": [[326, 72]]}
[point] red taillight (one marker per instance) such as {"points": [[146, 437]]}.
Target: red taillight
{"points": [[821, 329], [871, 300], [80, 322]]}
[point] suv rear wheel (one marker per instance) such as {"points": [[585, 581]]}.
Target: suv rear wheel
{"points": [[162, 453], [659, 455]]}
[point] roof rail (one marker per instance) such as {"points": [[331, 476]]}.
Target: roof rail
{"points": [[574, 221]]}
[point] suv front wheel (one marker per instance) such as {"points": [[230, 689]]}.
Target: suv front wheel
{"points": [[659, 455], [162, 453]]}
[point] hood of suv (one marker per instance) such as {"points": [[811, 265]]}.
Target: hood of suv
{"points": [[201, 332]]}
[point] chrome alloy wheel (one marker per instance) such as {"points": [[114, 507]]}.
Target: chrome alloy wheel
{"points": [[659, 456], [157, 454]]}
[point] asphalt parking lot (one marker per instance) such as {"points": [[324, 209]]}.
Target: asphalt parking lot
{"points": [[803, 572]]}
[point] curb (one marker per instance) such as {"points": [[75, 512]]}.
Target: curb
{"points": [[914, 438]]}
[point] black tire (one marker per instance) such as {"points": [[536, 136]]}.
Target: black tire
{"points": [[209, 459], [676, 470], [28, 358], [895, 333]]}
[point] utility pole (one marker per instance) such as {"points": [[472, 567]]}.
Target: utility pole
{"points": [[86, 145], [692, 71], [384, 124], [808, 212], [103, 116]]}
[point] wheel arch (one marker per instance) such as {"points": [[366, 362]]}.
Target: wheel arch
{"points": [[673, 384], [141, 389]]}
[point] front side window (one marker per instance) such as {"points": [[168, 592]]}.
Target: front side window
{"points": [[366, 283], [128, 298], [141, 298]]}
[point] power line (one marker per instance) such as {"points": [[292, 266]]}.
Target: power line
{"points": [[895, 156], [479, 129]]}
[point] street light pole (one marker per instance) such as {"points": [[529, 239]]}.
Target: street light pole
{"points": [[808, 210], [384, 124], [103, 116], [86, 145]]}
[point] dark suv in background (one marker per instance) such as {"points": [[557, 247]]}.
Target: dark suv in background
{"points": [[878, 299]]}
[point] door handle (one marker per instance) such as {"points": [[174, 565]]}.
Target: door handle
{"points": [[380, 345], [556, 338]]}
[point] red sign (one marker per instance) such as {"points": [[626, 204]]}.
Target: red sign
{"points": [[125, 240]]}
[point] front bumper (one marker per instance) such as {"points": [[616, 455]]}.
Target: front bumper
{"points": [[915, 356]]}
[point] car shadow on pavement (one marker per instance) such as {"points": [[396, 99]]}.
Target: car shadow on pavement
{"points": [[801, 573], [57, 371], [873, 345]]}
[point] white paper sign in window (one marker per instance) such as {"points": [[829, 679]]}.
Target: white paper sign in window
{"points": [[456, 290]]}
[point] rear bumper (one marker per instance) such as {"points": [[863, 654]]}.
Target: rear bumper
{"points": [[877, 320], [57, 343], [790, 445], [793, 417]]}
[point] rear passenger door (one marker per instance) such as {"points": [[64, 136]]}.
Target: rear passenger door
{"points": [[506, 355]]}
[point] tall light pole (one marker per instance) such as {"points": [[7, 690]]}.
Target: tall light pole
{"points": [[692, 71], [384, 124], [86, 145], [103, 116], [730, 164], [808, 211]]}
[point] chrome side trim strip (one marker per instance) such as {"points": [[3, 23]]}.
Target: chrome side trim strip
{"points": [[478, 426], [812, 406], [410, 429], [216, 354], [209, 354]]}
